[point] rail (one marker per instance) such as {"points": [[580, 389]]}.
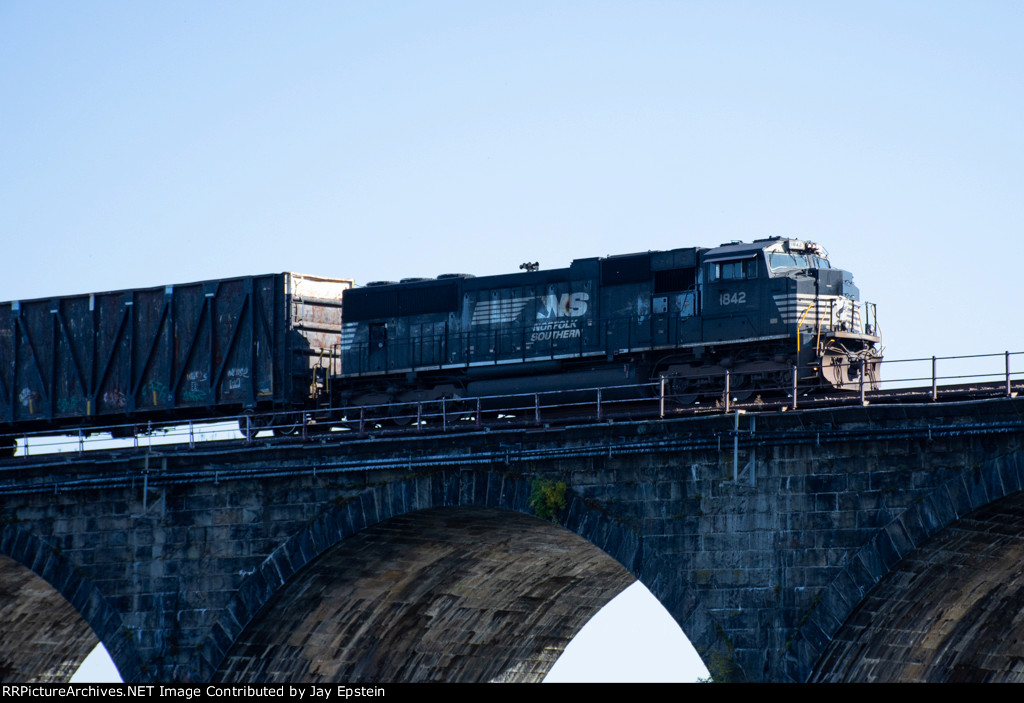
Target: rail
{"points": [[919, 380]]}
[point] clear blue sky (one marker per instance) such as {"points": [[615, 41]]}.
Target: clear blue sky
{"points": [[150, 143]]}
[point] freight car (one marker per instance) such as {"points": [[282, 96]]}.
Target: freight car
{"points": [[685, 315], [167, 354]]}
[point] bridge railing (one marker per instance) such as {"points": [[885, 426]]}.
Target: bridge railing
{"points": [[926, 379], [950, 374]]}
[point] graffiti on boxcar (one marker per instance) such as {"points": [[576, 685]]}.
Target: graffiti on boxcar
{"points": [[157, 392], [235, 376], [28, 398], [115, 398]]}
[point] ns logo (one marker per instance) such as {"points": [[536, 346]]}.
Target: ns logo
{"points": [[564, 305]]}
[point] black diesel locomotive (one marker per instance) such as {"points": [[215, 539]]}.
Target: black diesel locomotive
{"points": [[284, 342], [688, 315]]}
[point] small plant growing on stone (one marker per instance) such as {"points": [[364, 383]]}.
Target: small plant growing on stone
{"points": [[547, 498]]}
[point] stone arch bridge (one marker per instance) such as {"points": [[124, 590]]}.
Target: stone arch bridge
{"points": [[864, 543]]}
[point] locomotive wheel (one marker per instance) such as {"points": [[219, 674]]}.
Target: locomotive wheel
{"points": [[739, 387], [402, 414], [286, 425], [681, 392]]}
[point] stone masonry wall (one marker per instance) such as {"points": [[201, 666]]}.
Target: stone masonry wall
{"points": [[169, 555]]}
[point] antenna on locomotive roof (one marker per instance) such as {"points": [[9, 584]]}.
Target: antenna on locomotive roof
{"points": [[527, 266]]}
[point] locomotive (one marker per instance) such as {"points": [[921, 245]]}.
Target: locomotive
{"points": [[282, 342], [686, 315]]}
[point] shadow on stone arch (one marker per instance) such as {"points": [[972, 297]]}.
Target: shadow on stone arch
{"points": [[51, 618], [952, 610], [956, 507], [463, 593]]}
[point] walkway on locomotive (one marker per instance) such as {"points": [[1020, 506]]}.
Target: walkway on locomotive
{"points": [[601, 307]]}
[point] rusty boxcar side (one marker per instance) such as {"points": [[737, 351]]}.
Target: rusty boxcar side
{"points": [[168, 353]]}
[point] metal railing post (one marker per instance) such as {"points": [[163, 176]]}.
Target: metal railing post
{"points": [[727, 393], [191, 435], [736, 448], [753, 459], [1008, 374], [536, 408], [935, 382], [661, 398], [478, 413], [862, 401], [81, 442], [444, 417], [419, 417], [362, 421], [598, 404], [794, 386]]}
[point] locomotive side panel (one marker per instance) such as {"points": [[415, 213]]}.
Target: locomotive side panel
{"points": [[733, 297], [559, 322], [626, 302], [675, 298]]}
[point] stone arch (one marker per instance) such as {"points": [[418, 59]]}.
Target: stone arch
{"points": [[53, 617], [477, 489], [974, 488], [951, 611]]}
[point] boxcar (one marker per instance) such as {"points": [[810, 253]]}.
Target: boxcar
{"points": [[169, 353]]}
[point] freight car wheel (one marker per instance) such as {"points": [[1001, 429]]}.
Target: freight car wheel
{"points": [[250, 424]]}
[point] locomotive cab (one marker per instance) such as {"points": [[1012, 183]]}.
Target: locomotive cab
{"points": [[820, 306], [734, 281], [784, 305]]}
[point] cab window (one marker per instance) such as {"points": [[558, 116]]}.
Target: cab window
{"points": [[734, 270], [796, 261]]}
